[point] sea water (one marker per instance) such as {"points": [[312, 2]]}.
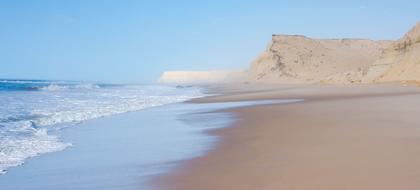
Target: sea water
{"points": [[32, 111], [119, 151]]}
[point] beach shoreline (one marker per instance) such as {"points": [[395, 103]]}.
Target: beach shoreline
{"points": [[124, 151], [340, 137]]}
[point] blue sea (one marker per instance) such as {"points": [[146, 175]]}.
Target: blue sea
{"points": [[32, 112]]}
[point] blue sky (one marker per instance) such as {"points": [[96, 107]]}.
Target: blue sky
{"points": [[134, 41]]}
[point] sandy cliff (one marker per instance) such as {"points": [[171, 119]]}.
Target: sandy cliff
{"points": [[299, 59], [399, 62], [201, 77]]}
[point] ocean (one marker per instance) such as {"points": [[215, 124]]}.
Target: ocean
{"points": [[32, 112]]}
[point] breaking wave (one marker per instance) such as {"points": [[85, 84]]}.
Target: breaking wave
{"points": [[27, 117]]}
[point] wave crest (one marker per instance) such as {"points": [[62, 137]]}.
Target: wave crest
{"points": [[57, 87]]}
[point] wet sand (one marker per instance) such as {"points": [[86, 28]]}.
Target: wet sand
{"points": [[340, 137]]}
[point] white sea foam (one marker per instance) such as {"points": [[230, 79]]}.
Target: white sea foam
{"points": [[24, 141], [28, 117], [57, 87]]}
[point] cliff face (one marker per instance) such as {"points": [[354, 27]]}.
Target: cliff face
{"points": [[399, 62], [298, 59]]}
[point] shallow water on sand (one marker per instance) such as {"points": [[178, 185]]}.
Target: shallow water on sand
{"points": [[124, 151]]}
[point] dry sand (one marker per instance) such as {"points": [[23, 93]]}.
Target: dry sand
{"points": [[341, 137]]}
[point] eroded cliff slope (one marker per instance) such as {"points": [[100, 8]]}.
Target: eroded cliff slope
{"points": [[400, 62], [299, 59]]}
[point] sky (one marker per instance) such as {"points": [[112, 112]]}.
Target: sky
{"points": [[135, 41]]}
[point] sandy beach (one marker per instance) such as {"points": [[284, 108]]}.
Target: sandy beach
{"points": [[341, 137], [210, 95]]}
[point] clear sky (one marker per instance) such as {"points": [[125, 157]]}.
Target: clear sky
{"points": [[134, 41]]}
